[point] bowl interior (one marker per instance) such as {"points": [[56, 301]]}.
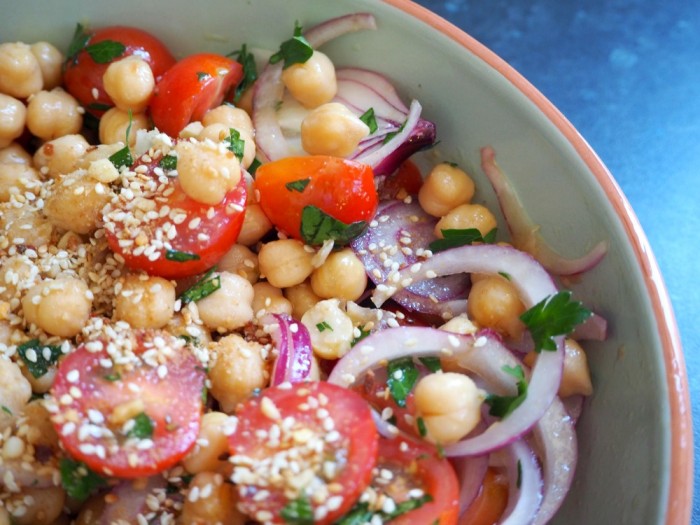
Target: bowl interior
{"points": [[623, 473]]}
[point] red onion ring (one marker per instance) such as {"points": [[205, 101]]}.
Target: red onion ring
{"points": [[525, 485], [293, 343]]}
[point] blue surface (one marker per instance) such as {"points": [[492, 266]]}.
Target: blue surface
{"points": [[626, 73]]}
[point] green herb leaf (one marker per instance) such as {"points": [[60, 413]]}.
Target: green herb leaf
{"points": [[406, 506], [368, 118], [296, 50], [192, 341], [115, 376], [168, 162], [520, 475], [6, 410], [455, 238], [77, 44], [236, 144], [178, 256], [402, 375], [358, 515], [554, 315], [78, 480], [298, 512], [254, 167], [123, 156], [431, 363], [317, 226], [143, 426], [207, 285], [392, 134], [38, 358], [422, 429], [105, 51], [323, 325], [250, 71], [201, 75], [298, 185], [502, 406], [363, 333], [99, 106]]}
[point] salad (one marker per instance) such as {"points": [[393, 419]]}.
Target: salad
{"points": [[244, 289]]}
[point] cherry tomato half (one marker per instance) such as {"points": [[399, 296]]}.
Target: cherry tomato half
{"points": [[190, 88], [490, 503], [83, 75], [341, 188], [204, 233], [310, 436], [406, 180], [130, 420]]}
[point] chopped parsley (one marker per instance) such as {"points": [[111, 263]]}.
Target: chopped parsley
{"points": [[168, 162], [296, 50], [99, 106], [519, 481], [178, 256], [298, 185], [360, 513], [552, 316], [123, 156], [422, 429], [236, 144], [431, 363], [317, 226], [254, 167], [143, 426], [455, 238], [323, 326], [368, 118], [402, 375], [115, 376], [207, 285], [363, 333], [502, 406], [77, 43], [392, 134], [250, 70], [78, 480], [105, 51], [6, 409], [38, 357], [298, 512]]}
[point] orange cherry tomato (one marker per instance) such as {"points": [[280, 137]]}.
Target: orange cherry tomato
{"points": [[489, 504]]}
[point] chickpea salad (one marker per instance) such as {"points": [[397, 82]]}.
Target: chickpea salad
{"points": [[231, 293]]}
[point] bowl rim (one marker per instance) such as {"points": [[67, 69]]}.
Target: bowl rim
{"points": [[680, 488]]}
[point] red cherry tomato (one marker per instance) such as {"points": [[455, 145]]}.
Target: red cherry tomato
{"points": [[83, 75], [190, 88], [490, 503], [326, 431], [416, 466], [341, 188], [104, 414], [204, 232], [406, 180]]}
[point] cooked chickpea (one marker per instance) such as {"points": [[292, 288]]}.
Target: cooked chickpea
{"points": [[313, 82], [24, 225], [182, 324], [231, 117], [115, 123], [330, 328], [285, 262], [38, 429], [130, 83], [14, 154], [241, 260], [43, 383], [445, 188], [302, 297], [460, 324], [50, 62], [494, 302], [191, 131], [207, 171], [229, 307], [20, 71], [466, 216], [576, 376], [99, 152], [60, 156], [449, 405], [219, 132], [52, 114], [17, 274], [103, 170], [211, 500], [58, 306], [342, 275], [238, 369], [332, 129], [255, 225], [269, 299], [13, 116], [18, 179], [15, 390], [40, 506], [144, 301], [212, 442]]}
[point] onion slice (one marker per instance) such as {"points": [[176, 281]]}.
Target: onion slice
{"points": [[524, 485], [293, 343], [525, 233]]}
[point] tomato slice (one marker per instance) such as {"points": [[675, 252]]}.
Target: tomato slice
{"points": [[190, 88], [83, 76], [308, 448], [490, 503], [134, 419], [341, 188], [204, 232], [406, 180]]}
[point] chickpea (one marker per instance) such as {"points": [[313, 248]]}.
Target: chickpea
{"points": [[40, 506], [255, 225], [212, 442], [302, 297], [330, 328], [242, 261], [60, 156], [445, 188], [268, 299], [15, 390], [130, 83], [207, 171], [50, 62], [144, 301], [460, 324], [58, 306], [238, 369], [14, 154], [18, 179], [52, 114], [13, 116], [494, 302], [576, 376], [99, 152], [115, 123], [449, 405], [231, 117], [467, 216], [36, 427], [191, 131], [332, 129], [41, 384], [218, 132], [211, 500], [313, 82], [24, 225], [20, 71], [17, 274], [342, 275], [285, 262], [229, 307], [183, 325], [103, 170]]}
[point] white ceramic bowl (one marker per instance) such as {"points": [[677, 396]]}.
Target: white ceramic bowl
{"points": [[635, 432]]}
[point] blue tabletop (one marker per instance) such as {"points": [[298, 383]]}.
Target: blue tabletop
{"points": [[626, 73]]}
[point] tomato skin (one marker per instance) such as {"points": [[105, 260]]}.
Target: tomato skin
{"points": [[82, 74], [190, 88], [174, 404], [344, 189], [357, 444], [489, 504], [406, 180]]}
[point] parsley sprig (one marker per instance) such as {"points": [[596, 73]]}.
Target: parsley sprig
{"points": [[454, 238], [78, 480], [296, 50], [250, 70], [402, 375], [206, 286], [501, 406], [38, 357], [317, 226]]}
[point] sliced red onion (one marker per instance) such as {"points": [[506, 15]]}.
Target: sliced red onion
{"points": [[394, 241], [573, 406], [525, 233], [470, 472], [324, 32], [595, 328], [293, 344], [524, 485], [15, 475], [358, 87]]}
